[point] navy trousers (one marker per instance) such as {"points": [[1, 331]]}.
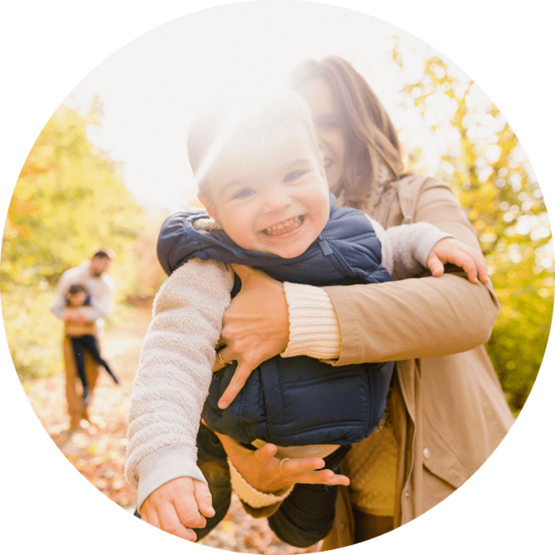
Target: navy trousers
{"points": [[80, 344]]}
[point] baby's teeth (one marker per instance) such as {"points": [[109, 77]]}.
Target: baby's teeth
{"points": [[279, 227]]}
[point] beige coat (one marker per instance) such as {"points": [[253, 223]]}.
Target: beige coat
{"points": [[448, 409]]}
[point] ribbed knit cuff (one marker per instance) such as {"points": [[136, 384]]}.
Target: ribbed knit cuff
{"points": [[251, 496], [313, 325]]}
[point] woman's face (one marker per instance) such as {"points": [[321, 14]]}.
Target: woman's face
{"points": [[329, 125]]}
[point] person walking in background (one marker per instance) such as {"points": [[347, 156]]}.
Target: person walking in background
{"points": [[91, 274], [83, 336]]}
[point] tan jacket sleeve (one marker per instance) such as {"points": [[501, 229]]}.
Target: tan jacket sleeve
{"points": [[421, 317]]}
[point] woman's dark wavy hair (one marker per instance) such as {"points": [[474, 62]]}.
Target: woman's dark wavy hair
{"points": [[371, 136]]}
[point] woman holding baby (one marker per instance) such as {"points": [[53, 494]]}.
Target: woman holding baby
{"points": [[446, 412]]}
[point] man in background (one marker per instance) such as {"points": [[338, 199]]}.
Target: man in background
{"points": [[92, 274]]}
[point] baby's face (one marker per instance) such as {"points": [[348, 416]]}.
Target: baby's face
{"points": [[270, 195]]}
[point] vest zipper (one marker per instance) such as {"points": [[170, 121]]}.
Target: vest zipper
{"points": [[336, 258]]}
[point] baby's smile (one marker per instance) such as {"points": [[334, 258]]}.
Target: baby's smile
{"points": [[284, 227]]}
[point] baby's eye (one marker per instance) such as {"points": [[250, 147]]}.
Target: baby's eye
{"points": [[293, 176], [243, 193]]}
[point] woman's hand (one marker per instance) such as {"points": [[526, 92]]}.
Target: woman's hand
{"points": [[266, 474], [450, 250], [255, 327]]}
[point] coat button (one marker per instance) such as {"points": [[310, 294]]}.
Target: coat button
{"points": [[426, 453]]}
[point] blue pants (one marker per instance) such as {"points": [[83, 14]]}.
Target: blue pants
{"points": [[305, 516], [80, 344]]}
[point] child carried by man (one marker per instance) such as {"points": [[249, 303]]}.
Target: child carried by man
{"points": [[83, 336]]}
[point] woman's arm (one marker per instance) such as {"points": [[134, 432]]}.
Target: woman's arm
{"points": [[391, 321], [347, 323], [416, 318], [424, 317]]}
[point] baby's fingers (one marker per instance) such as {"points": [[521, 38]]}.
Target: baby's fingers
{"points": [[481, 266], [473, 264], [204, 499], [435, 265], [468, 264], [173, 508], [167, 520], [188, 513], [454, 252]]}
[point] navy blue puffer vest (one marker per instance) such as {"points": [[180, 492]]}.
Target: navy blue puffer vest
{"points": [[299, 400]]}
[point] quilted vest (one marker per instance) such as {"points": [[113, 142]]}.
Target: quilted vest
{"points": [[298, 400]]}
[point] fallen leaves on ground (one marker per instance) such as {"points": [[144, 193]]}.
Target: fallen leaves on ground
{"points": [[97, 451]]}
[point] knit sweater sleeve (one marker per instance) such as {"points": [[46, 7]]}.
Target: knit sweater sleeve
{"points": [[175, 369], [405, 248]]}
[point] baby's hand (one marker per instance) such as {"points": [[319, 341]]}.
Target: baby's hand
{"points": [[177, 506], [450, 250]]}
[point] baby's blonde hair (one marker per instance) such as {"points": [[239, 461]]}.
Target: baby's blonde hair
{"points": [[227, 120]]}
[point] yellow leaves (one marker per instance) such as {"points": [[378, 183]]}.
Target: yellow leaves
{"points": [[69, 196], [228, 528], [490, 176], [21, 206], [92, 448]]}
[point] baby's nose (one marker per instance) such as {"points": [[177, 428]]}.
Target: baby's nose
{"points": [[276, 200]]}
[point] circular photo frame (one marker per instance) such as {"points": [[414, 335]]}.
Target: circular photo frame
{"points": [[106, 164]]}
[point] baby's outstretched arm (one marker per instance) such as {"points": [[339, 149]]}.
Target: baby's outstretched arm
{"points": [[179, 505], [173, 378], [407, 248]]}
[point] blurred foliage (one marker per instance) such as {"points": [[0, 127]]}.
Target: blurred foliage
{"points": [[486, 166], [33, 333], [69, 200]]}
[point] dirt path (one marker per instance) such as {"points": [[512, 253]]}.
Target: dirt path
{"points": [[98, 452]]}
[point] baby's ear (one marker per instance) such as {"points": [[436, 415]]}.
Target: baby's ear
{"points": [[208, 206]]}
